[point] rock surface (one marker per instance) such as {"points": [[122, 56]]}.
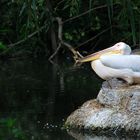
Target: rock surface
{"points": [[116, 109], [85, 136]]}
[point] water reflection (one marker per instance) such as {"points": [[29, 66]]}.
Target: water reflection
{"points": [[37, 96]]}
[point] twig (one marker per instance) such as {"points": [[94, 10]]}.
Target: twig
{"points": [[61, 42], [60, 30], [59, 46], [87, 41], [84, 13], [29, 36], [23, 40], [59, 3], [69, 47]]}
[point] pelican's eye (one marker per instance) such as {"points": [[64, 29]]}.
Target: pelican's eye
{"points": [[118, 45]]}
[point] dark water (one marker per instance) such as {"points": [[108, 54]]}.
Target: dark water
{"points": [[37, 96]]}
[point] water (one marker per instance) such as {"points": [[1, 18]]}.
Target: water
{"points": [[37, 96]]}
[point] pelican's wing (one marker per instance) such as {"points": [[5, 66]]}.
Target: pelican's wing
{"points": [[122, 61]]}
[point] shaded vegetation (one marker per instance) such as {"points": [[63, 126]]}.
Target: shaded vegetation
{"points": [[11, 130], [29, 27]]}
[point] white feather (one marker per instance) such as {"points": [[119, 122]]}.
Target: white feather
{"points": [[122, 62]]}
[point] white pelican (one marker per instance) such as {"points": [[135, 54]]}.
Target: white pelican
{"points": [[115, 62]]}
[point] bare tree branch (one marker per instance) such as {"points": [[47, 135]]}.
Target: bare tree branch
{"points": [[61, 42], [59, 46], [60, 28], [29, 36], [84, 13], [23, 40], [94, 37]]}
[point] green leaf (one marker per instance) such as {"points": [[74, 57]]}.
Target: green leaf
{"points": [[2, 46]]}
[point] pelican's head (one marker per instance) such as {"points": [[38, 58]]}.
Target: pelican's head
{"points": [[120, 48]]}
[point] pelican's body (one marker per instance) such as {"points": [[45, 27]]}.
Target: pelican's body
{"points": [[116, 62]]}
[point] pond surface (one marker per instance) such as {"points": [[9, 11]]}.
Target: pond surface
{"points": [[37, 96]]}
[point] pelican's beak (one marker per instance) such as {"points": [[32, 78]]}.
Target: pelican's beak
{"points": [[97, 55]]}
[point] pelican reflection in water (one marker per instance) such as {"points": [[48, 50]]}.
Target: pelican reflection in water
{"points": [[115, 62]]}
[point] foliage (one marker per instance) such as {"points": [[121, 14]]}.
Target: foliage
{"points": [[10, 129], [74, 7], [2, 46], [20, 19]]}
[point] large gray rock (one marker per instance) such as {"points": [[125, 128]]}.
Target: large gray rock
{"points": [[86, 136], [117, 108], [118, 95]]}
